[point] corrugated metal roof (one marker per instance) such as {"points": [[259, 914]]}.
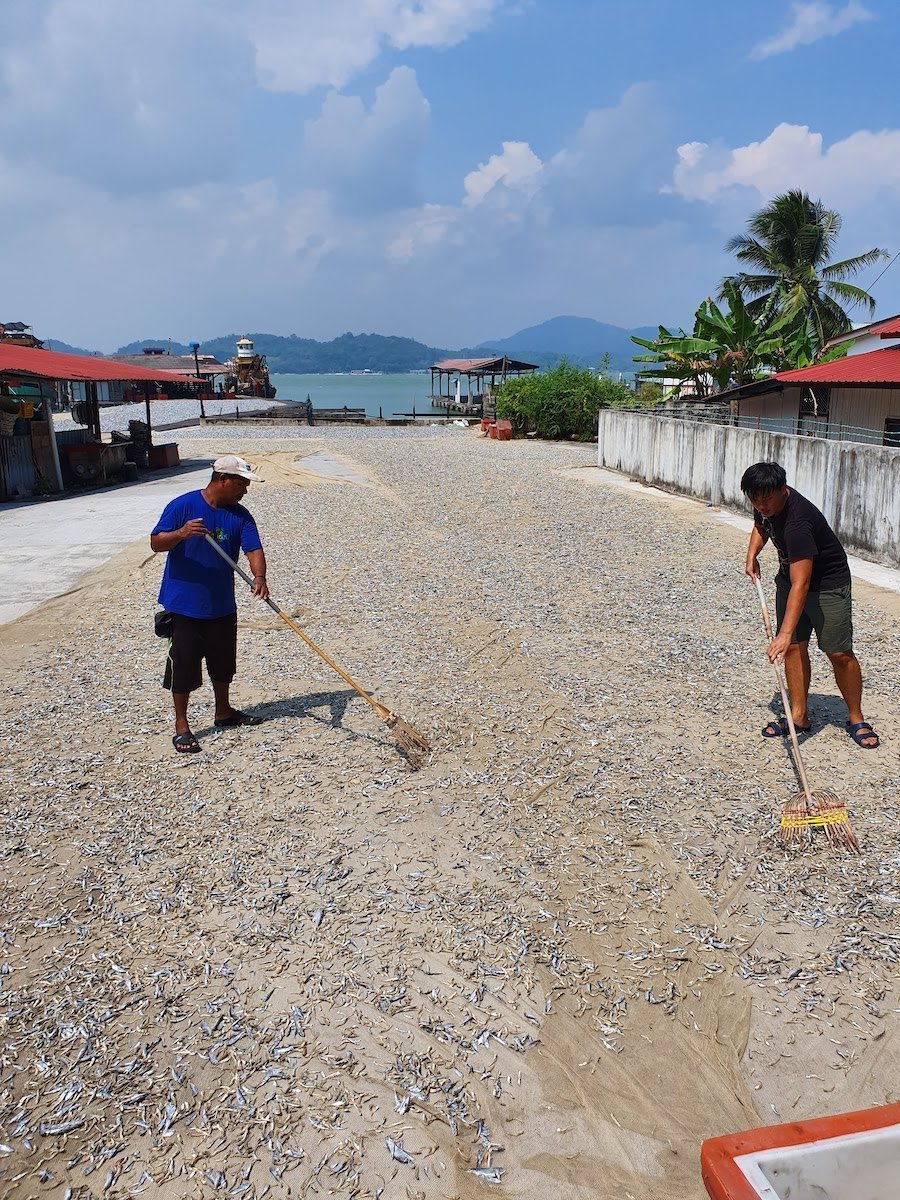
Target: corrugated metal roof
{"points": [[886, 327], [48, 364], [873, 368], [483, 366], [181, 364]]}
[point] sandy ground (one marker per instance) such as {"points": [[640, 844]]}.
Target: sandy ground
{"points": [[548, 964]]}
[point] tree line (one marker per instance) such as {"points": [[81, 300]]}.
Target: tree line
{"points": [[294, 355]]}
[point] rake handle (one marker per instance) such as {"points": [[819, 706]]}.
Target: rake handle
{"points": [[785, 699], [379, 708]]}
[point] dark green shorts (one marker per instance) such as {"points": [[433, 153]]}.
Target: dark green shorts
{"points": [[828, 613]]}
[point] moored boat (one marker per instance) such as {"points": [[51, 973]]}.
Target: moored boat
{"points": [[247, 373]]}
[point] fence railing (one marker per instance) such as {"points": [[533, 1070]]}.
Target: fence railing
{"points": [[818, 427]]}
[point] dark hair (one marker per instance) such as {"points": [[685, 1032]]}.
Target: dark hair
{"points": [[762, 479]]}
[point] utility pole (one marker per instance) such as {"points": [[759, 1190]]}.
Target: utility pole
{"points": [[195, 346]]}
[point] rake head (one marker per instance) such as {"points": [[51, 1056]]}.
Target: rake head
{"points": [[799, 819], [410, 742]]}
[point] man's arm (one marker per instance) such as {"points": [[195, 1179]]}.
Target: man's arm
{"points": [[801, 573], [162, 542], [757, 540], [257, 561]]}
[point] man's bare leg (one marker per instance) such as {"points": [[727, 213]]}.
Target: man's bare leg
{"points": [[798, 672], [180, 701], [223, 703], [848, 677]]}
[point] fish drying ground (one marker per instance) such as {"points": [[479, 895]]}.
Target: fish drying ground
{"points": [[549, 963]]}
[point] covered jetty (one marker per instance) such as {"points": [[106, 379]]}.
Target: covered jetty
{"points": [[481, 375]]}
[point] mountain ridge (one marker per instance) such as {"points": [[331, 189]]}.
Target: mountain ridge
{"points": [[583, 340]]}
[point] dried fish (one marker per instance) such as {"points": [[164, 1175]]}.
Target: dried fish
{"points": [[173, 997], [488, 1174], [397, 1151]]}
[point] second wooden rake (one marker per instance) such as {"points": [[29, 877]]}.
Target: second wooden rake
{"points": [[807, 810]]}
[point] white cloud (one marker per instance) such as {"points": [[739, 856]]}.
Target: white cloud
{"points": [[849, 172], [608, 171], [121, 93], [304, 44], [369, 159], [432, 226], [812, 21], [136, 97], [517, 166]]}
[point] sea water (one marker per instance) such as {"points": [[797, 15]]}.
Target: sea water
{"points": [[391, 394]]}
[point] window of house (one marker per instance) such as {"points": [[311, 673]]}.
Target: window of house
{"points": [[892, 432], [814, 402]]}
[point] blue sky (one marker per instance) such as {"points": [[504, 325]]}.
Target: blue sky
{"points": [[449, 170]]}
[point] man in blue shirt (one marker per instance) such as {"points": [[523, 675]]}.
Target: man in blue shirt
{"points": [[198, 589]]}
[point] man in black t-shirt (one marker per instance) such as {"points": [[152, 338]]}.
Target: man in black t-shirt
{"points": [[812, 592]]}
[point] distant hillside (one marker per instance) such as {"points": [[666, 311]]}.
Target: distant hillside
{"points": [[298, 356], [580, 339], [64, 347], [161, 344]]}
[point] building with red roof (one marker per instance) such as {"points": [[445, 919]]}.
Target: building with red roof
{"points": [[30, 379], [874, 336], [853, 399], [482, 376]]}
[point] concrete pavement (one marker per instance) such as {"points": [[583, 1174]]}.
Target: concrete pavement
{"points": [[47, 545]]}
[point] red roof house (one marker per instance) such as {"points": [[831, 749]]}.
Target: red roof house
{"points": [[27, 460], [864, 338], [854, 399]]}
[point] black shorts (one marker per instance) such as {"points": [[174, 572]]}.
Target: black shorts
{"points": [[194, 639]]}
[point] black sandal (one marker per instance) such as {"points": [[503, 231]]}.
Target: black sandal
{"points": [[237, 718], [186, 743], [778, 727], [862, 732]]}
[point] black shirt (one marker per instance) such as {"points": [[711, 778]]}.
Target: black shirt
{"points": [[801, 531]]}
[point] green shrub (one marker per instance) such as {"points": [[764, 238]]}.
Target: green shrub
{"points": [[562, 402]]}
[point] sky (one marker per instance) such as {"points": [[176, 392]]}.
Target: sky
{"points": [[447, 170]]}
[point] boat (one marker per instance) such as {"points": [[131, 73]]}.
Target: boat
{"points": [[247, 373]]}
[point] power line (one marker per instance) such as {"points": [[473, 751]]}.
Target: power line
{"points": [[890, 264]]}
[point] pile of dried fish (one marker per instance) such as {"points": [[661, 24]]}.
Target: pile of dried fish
{"points": [[289, 966]]}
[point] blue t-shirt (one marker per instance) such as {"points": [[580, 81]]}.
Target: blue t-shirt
{"points": [[197, 582]]}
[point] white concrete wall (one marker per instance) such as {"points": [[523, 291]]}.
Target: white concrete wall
{"points": [[857, 487]]}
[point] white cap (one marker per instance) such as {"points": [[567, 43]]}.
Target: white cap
{"points": [[230, 464]]}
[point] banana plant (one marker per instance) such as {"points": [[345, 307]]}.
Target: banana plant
{"points": [[727, 347]]}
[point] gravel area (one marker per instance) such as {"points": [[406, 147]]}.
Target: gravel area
{"points": [[553, 960]]}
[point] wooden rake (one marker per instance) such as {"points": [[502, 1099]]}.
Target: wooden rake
{"points": [[414, 747], [807, 810]]}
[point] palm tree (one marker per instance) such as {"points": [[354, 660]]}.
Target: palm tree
{"points": [[790, 243]]}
